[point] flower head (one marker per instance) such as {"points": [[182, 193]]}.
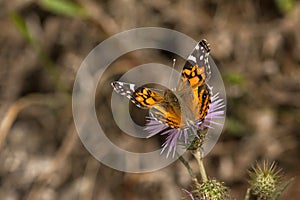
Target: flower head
{"points": [[265, 180], [209, 190], [191, 136]]}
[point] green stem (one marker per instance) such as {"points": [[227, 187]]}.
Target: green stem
{"points": [[186, 164], [199, 159], [247, 197]]}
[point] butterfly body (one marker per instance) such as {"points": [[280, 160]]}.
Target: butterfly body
{"points": [[187, 104]]}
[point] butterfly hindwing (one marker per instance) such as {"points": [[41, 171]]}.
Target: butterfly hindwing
{"points": [[166, 114], [195, 102], [202, 101]]}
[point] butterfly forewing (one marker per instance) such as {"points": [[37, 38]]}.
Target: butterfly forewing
{"points": [[147, 98], [142, 97], [196, 70]]}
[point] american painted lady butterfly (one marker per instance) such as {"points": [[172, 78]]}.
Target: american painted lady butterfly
{"points": [[187, 104]]}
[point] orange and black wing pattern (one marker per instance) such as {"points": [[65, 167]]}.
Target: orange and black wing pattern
{"points": [[196, 70], [166, 114], [142, 97], [202, 101], [189, 102], [192, 86], [162, 105]]}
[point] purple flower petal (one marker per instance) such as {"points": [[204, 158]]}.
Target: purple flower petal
{"points": [[190, 194], [154, 127]]}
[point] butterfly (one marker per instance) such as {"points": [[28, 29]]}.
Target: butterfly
{"points": [[187, 104]]}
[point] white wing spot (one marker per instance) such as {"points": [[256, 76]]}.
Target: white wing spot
{"points": [[206, 61], [192, 58], [201, 57], [131, 87]]}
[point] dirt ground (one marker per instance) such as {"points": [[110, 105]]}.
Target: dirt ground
{"points": [[255, 44]]}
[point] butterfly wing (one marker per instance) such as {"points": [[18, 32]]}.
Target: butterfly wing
{"points": [[193, 106], [196, 70], [192, 87], [142, 97], [162, 105], [166, 114], [202, 101]]}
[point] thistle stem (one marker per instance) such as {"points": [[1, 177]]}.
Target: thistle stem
{"points": [[247, 197], [199, 159], [186, 164]]}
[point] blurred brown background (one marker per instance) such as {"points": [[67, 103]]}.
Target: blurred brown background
{"points": [[255, 44]]}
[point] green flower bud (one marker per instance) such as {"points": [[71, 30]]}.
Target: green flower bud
{"points": [[210, 190], [265, 181]]}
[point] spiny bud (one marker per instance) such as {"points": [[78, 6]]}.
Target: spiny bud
{"points": [[209, 190], [265, 181]]}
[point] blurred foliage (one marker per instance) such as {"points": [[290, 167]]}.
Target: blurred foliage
{"points": [[235, 127], [63, 7], [47, 63], [234, 78], [285, 6], [20, 24]]}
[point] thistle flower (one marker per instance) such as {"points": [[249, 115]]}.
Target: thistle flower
{"points": [[192, 136], [208, 190], [265, 181]]}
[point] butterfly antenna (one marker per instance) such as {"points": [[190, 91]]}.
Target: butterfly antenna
{"points": [[173, 68]]}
